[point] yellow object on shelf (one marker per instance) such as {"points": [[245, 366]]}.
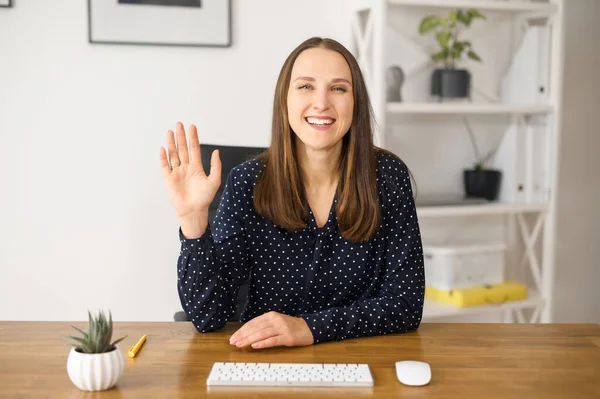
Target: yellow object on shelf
{"points": [[479, 295]]}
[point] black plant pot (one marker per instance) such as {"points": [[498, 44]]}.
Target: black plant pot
{"points": [[451, 83], [482, 183]]}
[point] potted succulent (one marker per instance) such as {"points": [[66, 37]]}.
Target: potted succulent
{"points": [[95, 363], [450, 81], [481, 181]]}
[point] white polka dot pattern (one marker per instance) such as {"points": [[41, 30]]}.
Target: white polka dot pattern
{"points": [[342, 289]]}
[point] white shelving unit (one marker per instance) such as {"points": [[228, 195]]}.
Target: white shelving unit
{"points": [[511, 310], [468, 109], [479, 210], [484, 5], [529, 151]]}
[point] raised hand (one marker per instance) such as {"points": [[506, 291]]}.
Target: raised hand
{"points": [[190, 190]]}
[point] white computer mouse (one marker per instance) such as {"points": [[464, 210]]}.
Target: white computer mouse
{"points": [[413, 372]]}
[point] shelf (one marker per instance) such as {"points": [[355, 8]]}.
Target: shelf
{"points": [[480, 209], [467, 108], [482, 5], [433, 309], [530, 141]]}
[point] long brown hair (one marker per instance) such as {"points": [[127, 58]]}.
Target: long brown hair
{"points": [[279, 192]]}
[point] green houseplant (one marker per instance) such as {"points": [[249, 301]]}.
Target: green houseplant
{"points": [[95, 362], [450, 81], [481, 181]]}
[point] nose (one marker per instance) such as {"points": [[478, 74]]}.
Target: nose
{"points": [[321, 100]]}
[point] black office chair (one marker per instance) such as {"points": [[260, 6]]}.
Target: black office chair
{"points": [[231, 156]]}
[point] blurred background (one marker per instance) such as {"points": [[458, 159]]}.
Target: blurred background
{"points": [[88, 91]]}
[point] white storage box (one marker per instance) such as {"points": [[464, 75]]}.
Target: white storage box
{"points": [[454, 266]]}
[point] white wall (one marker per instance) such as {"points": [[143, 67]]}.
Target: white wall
{"points": [[84, 219], [578, 223]]}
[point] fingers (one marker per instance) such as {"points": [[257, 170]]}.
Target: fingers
{"points": [[247, 328], [257, 336], [164, 163], [215, 167], [269, 342], [195, 155], [172, 148], [182, 144], [178, 153]]}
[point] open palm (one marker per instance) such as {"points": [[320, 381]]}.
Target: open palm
{"points": [[190, 190]]}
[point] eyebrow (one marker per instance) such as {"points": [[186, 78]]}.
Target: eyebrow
{"points": [[310, 79]]}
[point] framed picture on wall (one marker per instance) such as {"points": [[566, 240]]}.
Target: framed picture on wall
{"points": [[203, 23], [5, 3]]}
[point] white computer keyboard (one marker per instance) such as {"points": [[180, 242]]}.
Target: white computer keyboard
{"points": [[290, 374]]}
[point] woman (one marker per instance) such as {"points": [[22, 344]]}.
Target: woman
{"points": [[323, 223]]}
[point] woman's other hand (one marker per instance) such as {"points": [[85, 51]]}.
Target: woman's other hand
{"points": [[273, 329]]}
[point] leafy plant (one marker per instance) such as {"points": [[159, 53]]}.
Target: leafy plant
{"points": [[447, 31], [98, 337], [481, 162]]}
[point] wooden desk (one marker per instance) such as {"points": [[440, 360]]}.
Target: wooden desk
{"points": [[467, 361]]}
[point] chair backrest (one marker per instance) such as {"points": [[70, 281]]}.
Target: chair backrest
{"points": [[231, 156]]}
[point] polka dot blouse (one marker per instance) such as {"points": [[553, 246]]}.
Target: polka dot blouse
{"points": [[342, 289]]}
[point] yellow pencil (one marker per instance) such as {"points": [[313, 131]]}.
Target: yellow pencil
{"points": [[136, 348]]}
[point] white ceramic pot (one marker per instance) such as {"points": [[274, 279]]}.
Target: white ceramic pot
{"points": [[95, 371]]}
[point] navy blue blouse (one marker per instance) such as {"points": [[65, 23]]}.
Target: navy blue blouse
{"points": [[342, 289]]}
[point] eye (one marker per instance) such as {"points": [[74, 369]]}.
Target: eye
{"points": [[304, 86], [340, 89]]}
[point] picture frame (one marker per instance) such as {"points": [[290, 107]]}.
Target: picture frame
{"points": [[6, 3], [189, 23]]}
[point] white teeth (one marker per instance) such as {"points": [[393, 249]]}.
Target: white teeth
{"points": [[316, 121]]}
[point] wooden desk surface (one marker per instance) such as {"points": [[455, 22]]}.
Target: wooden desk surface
{"points": [[467, 361]]}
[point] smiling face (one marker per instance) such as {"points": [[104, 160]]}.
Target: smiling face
{"points": [[320, 99]]}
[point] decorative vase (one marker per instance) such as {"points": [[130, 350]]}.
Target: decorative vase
{"points": [[482, 183], [95, 371], [394, 82], [451, 83]]}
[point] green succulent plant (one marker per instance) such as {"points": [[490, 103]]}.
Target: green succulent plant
{"points": [[98, 337], [447, 32]]}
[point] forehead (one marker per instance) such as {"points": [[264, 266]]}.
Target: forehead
{"points": [[321, 63]]}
